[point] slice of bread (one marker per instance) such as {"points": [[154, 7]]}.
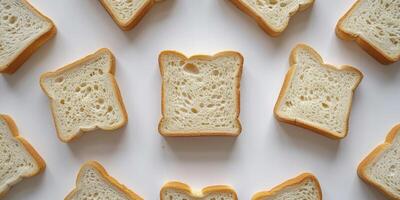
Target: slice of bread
{"points": [[18, 159], [181, 191], [272, 15], [93, 182], [375, 26], [127, 13], [315, 95], [304, 186], [381, 168], [200, 94], [85, 96], [23, 29]]}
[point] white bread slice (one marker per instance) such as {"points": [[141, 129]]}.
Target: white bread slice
{"points": [[85, 96], [181, 191], [272, 15], [94, 183], [200, 94], [18, 159], [305, 186], [375, 26], [315, 95], [127, 13], [381, 168], [23, 29]]}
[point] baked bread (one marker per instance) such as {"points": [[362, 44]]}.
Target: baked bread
{"points": [[181, 191], [84, 96], [381, 168], [200, 94], [305, 186], [127, 13], [93, 182], [272, 15], [375, 26], [18, 159], [23, 30], [315, 95]]}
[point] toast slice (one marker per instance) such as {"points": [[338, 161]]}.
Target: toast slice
{"points": [[272, 15], [181, 191], [93, 182], [18, 159], [200, 94], [23, 30], [315, 95], [381, 168], [375, 26], [84, 96], [127, 13], [305, 186]]}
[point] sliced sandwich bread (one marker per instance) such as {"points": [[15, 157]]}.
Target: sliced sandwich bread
{"points": [[272, 15], [84, 96], [94, 183], [181, 191], [18, 159], [305, 186], [375, 26], [200, 94], [315, 95], [23, 29], [381, 168]]}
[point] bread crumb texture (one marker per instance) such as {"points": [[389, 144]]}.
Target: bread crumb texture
{"points": [[125, 9], [175, 194]]}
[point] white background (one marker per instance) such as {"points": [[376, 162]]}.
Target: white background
{"points": [[264, 155]]}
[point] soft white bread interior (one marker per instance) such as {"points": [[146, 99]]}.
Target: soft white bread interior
{"points": [[22, 30], [85, 96], [93, 183], [18, 159], [316, 95], [181, 191], [200, 95], [375, 24]]}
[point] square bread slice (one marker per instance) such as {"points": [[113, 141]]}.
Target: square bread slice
{"points": [[305, 186], [381, 168], [84, 96], [23, 29], [93, 182], [18, 159], [315, 95], [200, 94], [181, 191], [272, 15], [127, 13], [375, 26]]}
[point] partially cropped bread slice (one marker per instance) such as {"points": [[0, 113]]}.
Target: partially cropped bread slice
{"points": [[181, 191], [381, 168], [18, 159], [304, 187], [23, 29], [315, 95], [200, 94], [272, 15], [94, 183], [375, 26], [84, 96]]}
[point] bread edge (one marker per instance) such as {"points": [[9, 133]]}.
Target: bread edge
{"points": [[263, 23], [288, 183], [361, 170], [200, 133], [20, 59], [288, 77], [115, 86], [372, 50], [105, 175]]}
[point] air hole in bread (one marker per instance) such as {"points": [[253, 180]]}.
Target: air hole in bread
{"points": [[191, 68]]}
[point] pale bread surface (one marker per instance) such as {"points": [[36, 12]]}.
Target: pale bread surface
{"points": [[181, 191]]}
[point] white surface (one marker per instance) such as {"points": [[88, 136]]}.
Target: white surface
{"points": [[265, 154]]}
